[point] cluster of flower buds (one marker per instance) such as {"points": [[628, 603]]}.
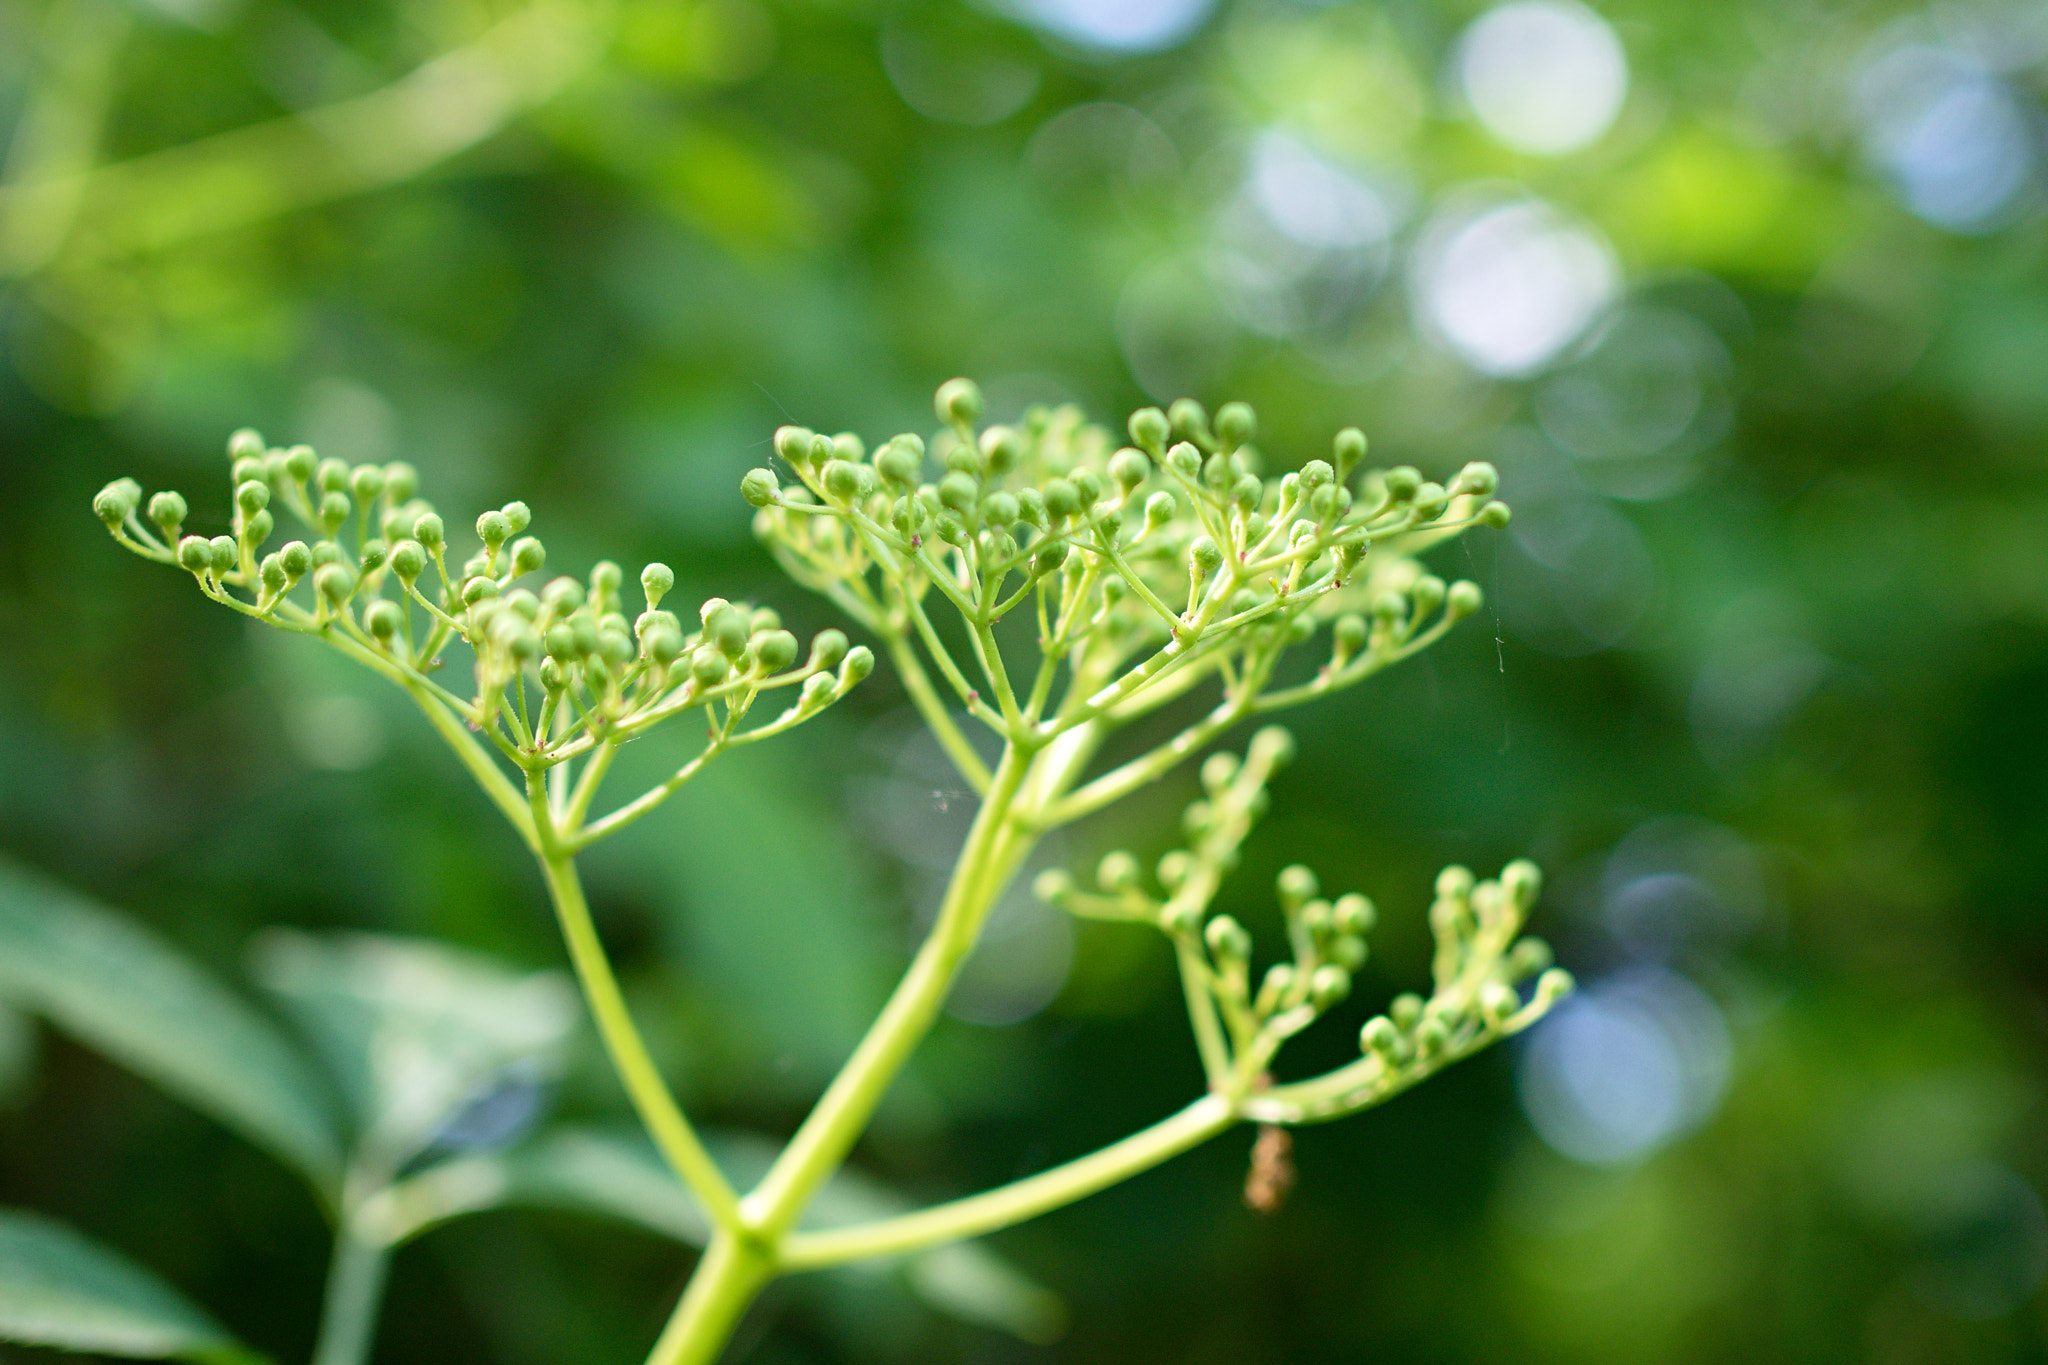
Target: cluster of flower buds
{"points": [[560, 669], [1478, 968], [1145, 567]]}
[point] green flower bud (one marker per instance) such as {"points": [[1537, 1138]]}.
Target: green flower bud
{"points": [[615, 645], [842, 480], [1495, 514], [335, 582], [528, 555], [1454, 883], [1205, 557], [1185, 460], [898, 464], [1279, 980], [299, 463], [382, 618], [1246, 492], [366, 481], [1062, 498], [167, 510], [1001, 449], [1159, 509], [1553, 986], [1228, 940], [1173, 869], [252, 497], [1000, 509], [1406, 1008], [331, 475], [1328, 984], [828, 647], [605, 578], [1478, 478], [1129, 468], [372, 557], [247, 468], [1296, 884], [1149, 429], [1431, 1036], [1382, 1039], [1272, 746], [116, 502], [663, 643], [709, 608], [764, 618], [775, 651], [1402, 483], [562, 595], [1349, 951], [296, 557], [334, 509], [958, 402], [959, 492], [1236, 423], [195, 554], [523, 602], [1464, 599], [561, 642], [1523, 882], [493, 528], [1052, 886], [727, 631], [1390, 606], [477, 589], [401, 481], [794, 444], [1346, 451], [1217, 770], [408, 561], [1529, 956], [1430, 501], [272, 573], [517, 515], [860, 662], [1189, 419], [429, 532], [1497, 1000], [1315, 918], [1427, 593], [1349, 635], [256, 527], [245, 443], [760, 487], [817, 690], [552, 679], [655, 582], [326, 552], [224, 554], [1324, 503], [1117, 872], [1352, 914]]}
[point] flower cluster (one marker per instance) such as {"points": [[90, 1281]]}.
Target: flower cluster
{"points": [[1479, 968], [560, 671]]}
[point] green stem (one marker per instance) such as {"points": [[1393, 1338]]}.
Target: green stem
{"points": [[1015, 1202], [657, 1108], [726, 1281], [992, 852], [355, 1288]]}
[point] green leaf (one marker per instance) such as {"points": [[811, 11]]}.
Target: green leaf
{"points": [[122, 990], [419, 1032], [59, 1289], [619, 1175]]}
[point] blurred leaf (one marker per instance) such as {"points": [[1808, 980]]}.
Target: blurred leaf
{"points": [[58, 1289], [122, 990], [619, 1174], [426, 1038]]}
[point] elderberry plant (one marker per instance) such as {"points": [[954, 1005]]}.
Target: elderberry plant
{"points": [[1061, 587]]}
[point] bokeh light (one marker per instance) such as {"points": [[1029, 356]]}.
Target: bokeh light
{"points": [[1507, 286], [1543, 76]]}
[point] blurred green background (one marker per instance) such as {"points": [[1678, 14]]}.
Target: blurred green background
{"points": [[1748, 301]]}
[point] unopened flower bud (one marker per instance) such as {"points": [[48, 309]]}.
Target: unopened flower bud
{"points": [[1228, 940], [382, 618], [334, 509], [1494, 514], [1523, 882], [1149, 429], [1328, 984], [1463, 599], [663, 643], [1497, 1000], [1278, 981], [408, 561], [1205, 557], [605, 578], [334, 582], [1346, 451], [1431, 1037], [246, 443], [818, 689], [1553, 986], [1247, 492], [1529, 956], [1001, 449], [1478, 478], [1296, 884], [1427, 593], [1402, 482], [331, 475], [195, 554], [828, 647], [257, 526], [1062, 498], [1352, 914], [860, 661], [299, 462], [477, 589], [1117, 872], [1236, 423], [1217, 770], [493, 529], [1272, 746], [775, 651], [167, 510], [116, 502], [1185, 460], [1159, 509], [372, 557], [528, 555], [958, 402], [429, 532], [1129, 468], [1052, 885], [1189, 419], [1349, 635], [223, 554], [1173, 868], [1383, 1040]]}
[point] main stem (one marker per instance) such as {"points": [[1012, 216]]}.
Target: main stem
{"points": [[355, 1286]]}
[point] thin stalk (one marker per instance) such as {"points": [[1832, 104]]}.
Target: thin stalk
{"points": [[355, 1289], [657, 1108], [1015, 1202], [726, 1281]]}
